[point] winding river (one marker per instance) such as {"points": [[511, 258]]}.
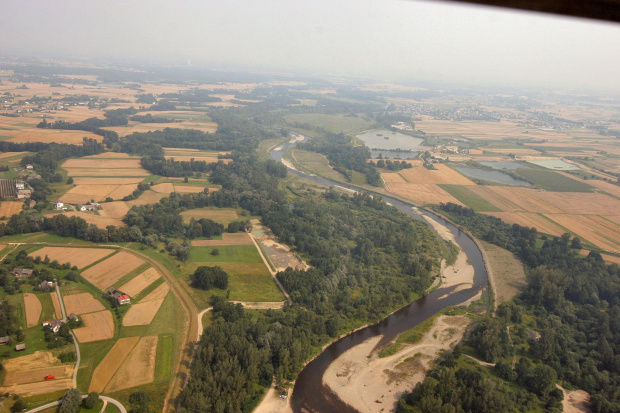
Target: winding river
{"points": [[309, 393]]}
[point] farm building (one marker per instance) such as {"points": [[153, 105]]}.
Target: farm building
{"points": [[29, 167], [20, 185], [46, 285], [4, 340], [20, 347], [32, 203], [73, 316], [95, 205], [24, 193], [22, 272], [81, 207], [123, 299], [59, 204]]}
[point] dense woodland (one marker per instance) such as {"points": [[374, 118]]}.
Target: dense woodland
{"points": [[575, 303]]}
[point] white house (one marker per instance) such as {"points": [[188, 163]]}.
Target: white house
{"points": [[59, 205]]}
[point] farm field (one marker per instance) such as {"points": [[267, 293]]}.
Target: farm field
{"points": [[530, 219], [56, 304], [82, 303], [24, 375], [115, 210], [469, 198], [100, 221], [221, 215], [599, 231], [239, 238], [10, 208], [442, 175], [108, 272], [553, 181], [80, 257], [316, 163], [422, 193], [111, 362], [73, 137], [168, 188], [138, 368], [97, 326], [332, 123], [33, 309], [508, 274], [144, 312], [133, 287]]}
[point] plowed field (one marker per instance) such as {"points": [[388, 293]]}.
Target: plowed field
{"points": [[82, 304], [97, 326], [107, 272], [80, 257], [138, 368]]}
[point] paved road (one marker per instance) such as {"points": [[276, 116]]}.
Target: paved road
{"points": [[104, 398]]}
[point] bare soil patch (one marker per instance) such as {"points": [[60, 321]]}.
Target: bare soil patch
{"points": [[138, 368], [143, 313], [508, 272], [56, 304], [575, 401], [33, 309], [10, 208], [108, 272], [80, 257], [82, 304], [140, 282], [97, 326], [239, 238], [111, 363]]}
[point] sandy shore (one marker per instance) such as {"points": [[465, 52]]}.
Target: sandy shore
{"points": [[372, 384]]}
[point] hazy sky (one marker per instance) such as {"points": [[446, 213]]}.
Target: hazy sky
{"points": [[389, 39]]}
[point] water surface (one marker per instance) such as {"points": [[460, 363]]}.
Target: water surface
{"points": [[492, 176]]}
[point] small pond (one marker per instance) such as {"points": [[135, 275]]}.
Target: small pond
{"points": [[491, 176]]}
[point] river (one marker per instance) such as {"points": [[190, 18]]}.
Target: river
{"points": [[309, 393]]}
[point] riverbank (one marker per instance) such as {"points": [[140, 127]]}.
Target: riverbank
{"points": [[371, 384]]}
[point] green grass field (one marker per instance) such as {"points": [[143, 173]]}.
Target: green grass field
{"points": [[331, 123], [163, 361], [553, 181], [92, 354], [229, 253], [469, 198], [316, 163], [246, 282]]}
